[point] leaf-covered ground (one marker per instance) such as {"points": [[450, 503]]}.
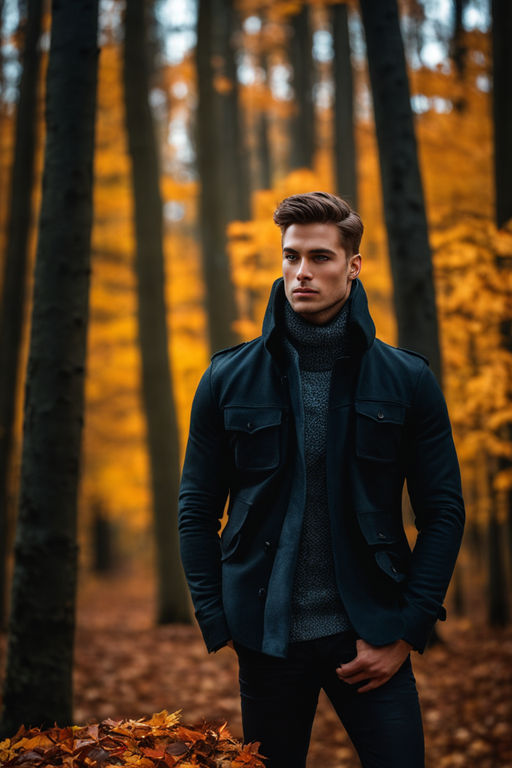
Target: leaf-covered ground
{"points": [[160, 741], [127, 668]]}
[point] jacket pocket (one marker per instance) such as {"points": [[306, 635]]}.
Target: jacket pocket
{"points": [[384, 535], [255, 433], [230, 539], [379, 430]]}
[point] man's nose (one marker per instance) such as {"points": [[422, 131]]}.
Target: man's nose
{"points": [[304, 272]]}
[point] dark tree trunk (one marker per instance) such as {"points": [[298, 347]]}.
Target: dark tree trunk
{"points": [[264, 153], [235, 164], [503, 264], [263, 143], [38, 686], [219, 298], [157, 387], [344, 137], [502, 108], [498, 593], [1, 57], [458, 51], [303, 121], [262, 161], [102, 541], [404, 208], [15, 268], [458, 48]]}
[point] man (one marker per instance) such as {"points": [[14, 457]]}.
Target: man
{"points": [[312, 429]]}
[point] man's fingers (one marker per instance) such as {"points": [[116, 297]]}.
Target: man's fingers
{"points": [[351, 667], [355, 667], [372, 684], [356, 678], [346, 672]]}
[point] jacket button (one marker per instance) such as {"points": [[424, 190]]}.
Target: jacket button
{"points": [[380, 415], [267, 546], [381, 535], [394, 569], [249, 425], [262, 592]]}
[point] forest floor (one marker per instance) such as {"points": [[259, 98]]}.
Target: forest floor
{"points": [[127, 667]]}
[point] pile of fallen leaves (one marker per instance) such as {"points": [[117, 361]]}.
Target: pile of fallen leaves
{"points": [[149, 742]]}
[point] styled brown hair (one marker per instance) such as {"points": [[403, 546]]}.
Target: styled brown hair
{"points": [[321, 207]]}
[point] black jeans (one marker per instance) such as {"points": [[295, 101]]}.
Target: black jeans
{"points": [[279, 699]]}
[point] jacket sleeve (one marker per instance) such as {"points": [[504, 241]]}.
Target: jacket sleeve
{"points": [[203, 493], [433, 482]]}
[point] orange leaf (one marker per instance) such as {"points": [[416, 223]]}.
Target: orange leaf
{"points": [[158, 754]]}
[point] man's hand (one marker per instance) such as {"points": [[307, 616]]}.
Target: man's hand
{"points": [[376, 664]]}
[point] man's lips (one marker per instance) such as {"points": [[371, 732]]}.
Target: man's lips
{"points": [[304, 290]]}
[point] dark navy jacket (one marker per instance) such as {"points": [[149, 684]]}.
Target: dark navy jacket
{"points": [[387, 424]]}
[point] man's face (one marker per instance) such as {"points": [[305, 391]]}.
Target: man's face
{"points": [[317, 274]]}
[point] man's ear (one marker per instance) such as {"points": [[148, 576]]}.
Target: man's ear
{"points": [[354, 267]]}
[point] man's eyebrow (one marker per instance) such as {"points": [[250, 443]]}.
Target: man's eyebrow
{"points": [[310, 250]]}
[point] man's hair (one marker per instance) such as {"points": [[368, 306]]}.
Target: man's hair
{"points": [[322, 207]]}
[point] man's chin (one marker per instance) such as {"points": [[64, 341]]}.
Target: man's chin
{"points": [[305, 306], [315, 314], [305, 311], [308, 313]]}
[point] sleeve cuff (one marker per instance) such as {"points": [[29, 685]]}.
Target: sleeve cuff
{"points": [[215, 632], [418, 626]]}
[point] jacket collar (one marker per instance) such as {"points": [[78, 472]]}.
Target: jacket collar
{"points": [[360, 324]]}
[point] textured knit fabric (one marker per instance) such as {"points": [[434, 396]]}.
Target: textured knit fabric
{"points": [[317, 609]]}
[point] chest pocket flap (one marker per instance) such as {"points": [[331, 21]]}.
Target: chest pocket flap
{"points": [[255, 435], [379, 430]]}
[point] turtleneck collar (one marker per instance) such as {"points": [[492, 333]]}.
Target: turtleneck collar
{"points": [[317, 345], [361, 329]]}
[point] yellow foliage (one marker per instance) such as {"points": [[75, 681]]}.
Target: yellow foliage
{"points": [[473, 293]]}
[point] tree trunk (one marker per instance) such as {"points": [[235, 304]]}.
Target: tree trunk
{"points": [[498, 593], [219, 298], [344, 137], [404, 208], [264, 154], [38, 686], [15, 268], [157, 387], [263, 143], [458, 52], [233, 149], [458, 48], [301, 59], [2, 74], [102, 535], [502, 108]]}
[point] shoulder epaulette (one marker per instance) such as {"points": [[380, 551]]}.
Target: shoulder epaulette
{"points": [[228, 349], [416, 354]]}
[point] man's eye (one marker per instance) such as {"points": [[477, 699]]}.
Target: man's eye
{"points": [[321, 257], [290, 256]]}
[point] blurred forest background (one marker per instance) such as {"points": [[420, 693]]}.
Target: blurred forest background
{"points": [[208, 114]]}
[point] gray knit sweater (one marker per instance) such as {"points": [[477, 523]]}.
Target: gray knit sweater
{"points": [[317, 609]]}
